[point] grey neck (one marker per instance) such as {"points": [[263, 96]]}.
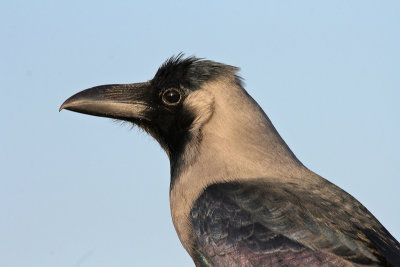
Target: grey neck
{"points": [[231, 145]]}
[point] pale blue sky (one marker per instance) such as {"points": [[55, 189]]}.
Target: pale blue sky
{"points": [[81, 191]]}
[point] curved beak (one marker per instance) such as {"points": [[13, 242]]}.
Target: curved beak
{"points": [[117, 101]]}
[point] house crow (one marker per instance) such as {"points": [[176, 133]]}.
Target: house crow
{"points": [[238, 195]]}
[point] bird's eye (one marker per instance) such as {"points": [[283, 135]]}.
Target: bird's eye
{"points": [[171, 96]]}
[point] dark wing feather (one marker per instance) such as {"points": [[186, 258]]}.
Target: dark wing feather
{"points": [[266, 224]]}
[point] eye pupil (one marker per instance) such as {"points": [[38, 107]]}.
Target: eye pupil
{"points": [[171, 96]]}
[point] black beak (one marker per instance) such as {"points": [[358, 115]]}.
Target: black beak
{"points": [[117, 101]]}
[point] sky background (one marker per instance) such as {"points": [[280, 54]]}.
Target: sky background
{"points": [[82, 191]]}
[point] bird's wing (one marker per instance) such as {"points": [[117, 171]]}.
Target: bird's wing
{"points": [[266, 224]]}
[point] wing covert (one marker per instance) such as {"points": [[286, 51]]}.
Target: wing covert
{"points": [[271, 223]]}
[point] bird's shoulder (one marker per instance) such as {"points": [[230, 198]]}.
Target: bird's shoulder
{"points": [[268, 223]]}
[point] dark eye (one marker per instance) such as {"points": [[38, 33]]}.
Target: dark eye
{"points": [[171, 96]]}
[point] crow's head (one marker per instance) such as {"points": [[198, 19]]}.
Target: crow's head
{"points": [[172, 107]]}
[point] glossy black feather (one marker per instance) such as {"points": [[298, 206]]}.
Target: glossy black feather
{"points": [[265, 224]]}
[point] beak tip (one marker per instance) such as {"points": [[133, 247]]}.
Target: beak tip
{"points": [[62, 106], [70, 102]]}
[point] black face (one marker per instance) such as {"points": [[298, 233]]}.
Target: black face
{"points": [[157, 105], [166, 121]]}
